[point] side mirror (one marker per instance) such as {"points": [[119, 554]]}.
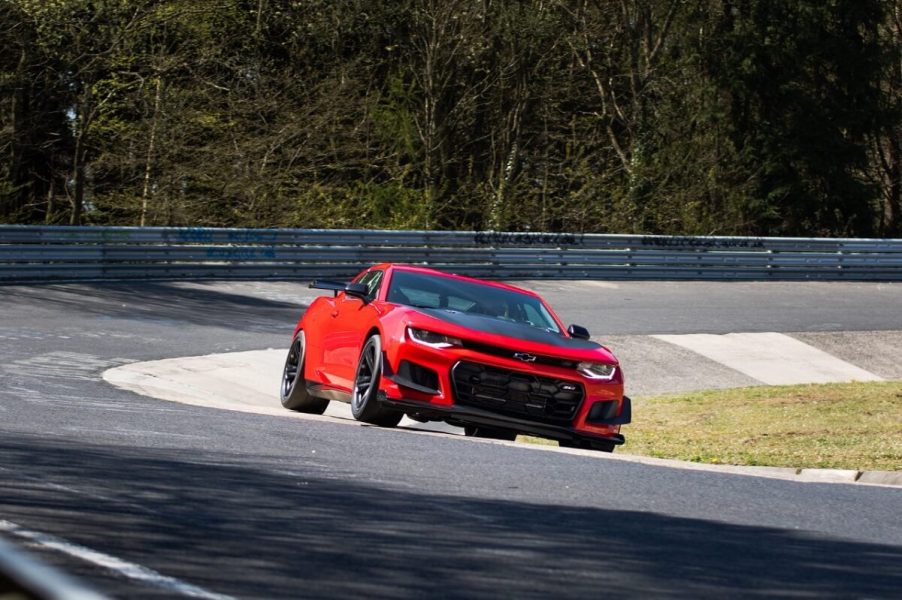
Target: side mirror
{"points": [[357, 290], [579, 332]]}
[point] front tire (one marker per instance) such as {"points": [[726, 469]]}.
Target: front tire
{"points": [[293, 393], [365, 404]]}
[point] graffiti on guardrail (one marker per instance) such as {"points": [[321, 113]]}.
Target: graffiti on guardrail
{"points": [[253, 236], [226, 253], [206, 235], [95, 235], [701, 242], [495, 238], [199, 235]]}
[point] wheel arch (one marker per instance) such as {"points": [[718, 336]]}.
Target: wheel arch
{"points": [[377, 330]]}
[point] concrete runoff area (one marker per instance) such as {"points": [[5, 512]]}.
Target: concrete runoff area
{"points": [[249, 382], [772, 358], [243, 381]]}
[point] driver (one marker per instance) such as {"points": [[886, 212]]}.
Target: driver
{"points": [[495, 307]]}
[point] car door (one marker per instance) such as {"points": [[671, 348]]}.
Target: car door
{"points": [[349, 321]]}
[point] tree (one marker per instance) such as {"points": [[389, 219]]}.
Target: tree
{"points": [[886, 139], [800, 79], [31, 121], [658, 116]]}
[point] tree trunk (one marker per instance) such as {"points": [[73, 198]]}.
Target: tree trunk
{"points": [[893, 213], [48, 216], [150, 149], [78, 157], [78, 169], [17, 198]]}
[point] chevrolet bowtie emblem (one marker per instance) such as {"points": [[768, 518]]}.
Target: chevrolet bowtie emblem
{"points": [[524, 357]]}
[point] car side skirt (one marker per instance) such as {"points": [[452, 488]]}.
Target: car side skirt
{"points": [[318, 390]]}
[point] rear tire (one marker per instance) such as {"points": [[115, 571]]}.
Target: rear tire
{"points": [[491, 433], [293, 393], [365, 405]]}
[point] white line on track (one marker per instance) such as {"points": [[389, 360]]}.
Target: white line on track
{"points": [[121, 567], [772, 358], [137, 432]]}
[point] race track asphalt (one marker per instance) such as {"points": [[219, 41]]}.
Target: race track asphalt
{"points": [[256, 506]]}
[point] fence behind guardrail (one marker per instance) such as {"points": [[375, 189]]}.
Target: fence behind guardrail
{"points": [[42, 253]]}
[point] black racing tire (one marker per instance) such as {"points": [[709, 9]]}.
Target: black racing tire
{"points": [[365, 405], [293, 391], [600, 445], [490, 433]]}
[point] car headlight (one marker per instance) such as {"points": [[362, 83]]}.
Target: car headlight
{"points": [[597, 370], [430, 338]]}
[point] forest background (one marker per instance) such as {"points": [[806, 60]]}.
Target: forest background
{"points": [[727, 117]]}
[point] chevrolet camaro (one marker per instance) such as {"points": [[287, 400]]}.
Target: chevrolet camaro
{"points": [[489, 357]]}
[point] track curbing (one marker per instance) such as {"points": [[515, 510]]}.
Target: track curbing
{"points": [[184, 380]]}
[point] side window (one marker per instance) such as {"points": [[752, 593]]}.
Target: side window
{"points": [[372, 281]]}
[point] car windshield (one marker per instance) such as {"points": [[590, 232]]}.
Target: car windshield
{"points": [[434, 291]]}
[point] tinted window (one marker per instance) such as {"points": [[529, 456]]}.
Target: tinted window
{"points": [[434, 291], [372, 281]]}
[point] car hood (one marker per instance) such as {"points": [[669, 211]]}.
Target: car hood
{"points": [[553, 343]]}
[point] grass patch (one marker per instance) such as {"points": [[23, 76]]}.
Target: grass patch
{"points": [[841, 426]]}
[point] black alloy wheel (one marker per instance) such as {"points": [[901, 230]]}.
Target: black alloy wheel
{"points": [[365, 404], [293, 393]]}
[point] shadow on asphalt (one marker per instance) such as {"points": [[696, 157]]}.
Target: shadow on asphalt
{"points": [[206, 304], [216, 523]]}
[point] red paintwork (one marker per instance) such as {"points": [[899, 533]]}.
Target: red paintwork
{"points": [[336, 328]]}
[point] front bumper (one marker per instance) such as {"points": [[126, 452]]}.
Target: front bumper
{"points": [[602, 411], [460, 415]]}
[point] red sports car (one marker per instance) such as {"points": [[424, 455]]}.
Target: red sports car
{"points": [[488, 357]]}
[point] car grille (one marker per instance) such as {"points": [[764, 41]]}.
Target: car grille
{"points": [[516, 394]]}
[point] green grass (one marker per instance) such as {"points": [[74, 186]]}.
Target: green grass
{"points": [[843, 426]]}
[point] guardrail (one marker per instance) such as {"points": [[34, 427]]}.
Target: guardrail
{"points": [[41, 253], [24, 577]]}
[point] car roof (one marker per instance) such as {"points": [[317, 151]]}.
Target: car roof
{"points": [[429, 271]]}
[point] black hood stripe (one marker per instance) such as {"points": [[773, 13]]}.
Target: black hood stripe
{"points": [[495, 326]]}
